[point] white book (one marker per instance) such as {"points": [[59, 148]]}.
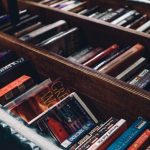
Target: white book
{"points": [[43, 30], [144, 27], [126, 15], [132, 69], [139, 77], [107, 135]]}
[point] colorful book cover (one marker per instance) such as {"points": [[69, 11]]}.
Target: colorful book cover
{"points": [[129, 136]]}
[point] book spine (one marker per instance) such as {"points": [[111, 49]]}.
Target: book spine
{"points": [[140, 141], [77, 55], [94, 135], [137, 79], [79, 134], [46, 31], [118, 20], [104, 139], [126, 74], [111, 58], [144, 27], [144, 82], [129, 135], [138, 22], [101, 55], [15, 88], [89, 55], [82, 105], [117, 65], [11, 65]]}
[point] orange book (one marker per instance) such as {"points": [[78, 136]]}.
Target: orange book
{"points": [[140, 141], [15, 88]]}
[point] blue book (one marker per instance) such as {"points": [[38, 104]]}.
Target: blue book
{"points": [[129, 136]]}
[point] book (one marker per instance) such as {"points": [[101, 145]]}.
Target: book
{"points": [[64, 43], [101, 55], [70, 115], [138, 22], [40, 99], [101, 14], [17, 68], [144, 83], [89, 55], [139, 77], [130, 19], [123, 61], [22, 24], [78, 7], [73, 6], [79, 54], [123, 17], [91, 11], [28, 29], [103, 142], [10, 68], [144, 27], [115, 55], [130, 135], [140, 1], [139, 143], [45, 32], [116, 14], [15, 88], [130, 71], [91, 137]]}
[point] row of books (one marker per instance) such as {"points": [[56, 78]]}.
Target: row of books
{"points": [[54, 36], [126, 63], [55, 110], [125, 16]]}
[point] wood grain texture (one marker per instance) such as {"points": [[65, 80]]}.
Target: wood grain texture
{"points": [[106, 95]]}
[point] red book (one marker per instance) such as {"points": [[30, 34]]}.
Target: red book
{"points": [[123, 61], [101, 55], [89, 55], [57, 128], [138, 144]]}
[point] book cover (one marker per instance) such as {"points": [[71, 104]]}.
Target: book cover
{"points": [[68, 120], [130, 135], [139, 143], [91, 137], [44, 96], [104, 141]]}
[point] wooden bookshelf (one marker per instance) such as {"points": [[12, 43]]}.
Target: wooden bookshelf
{"points": [[103, 94], [126, 98]]}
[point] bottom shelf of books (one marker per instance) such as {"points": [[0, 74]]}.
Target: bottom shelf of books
{"points": [[39, 113]]}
